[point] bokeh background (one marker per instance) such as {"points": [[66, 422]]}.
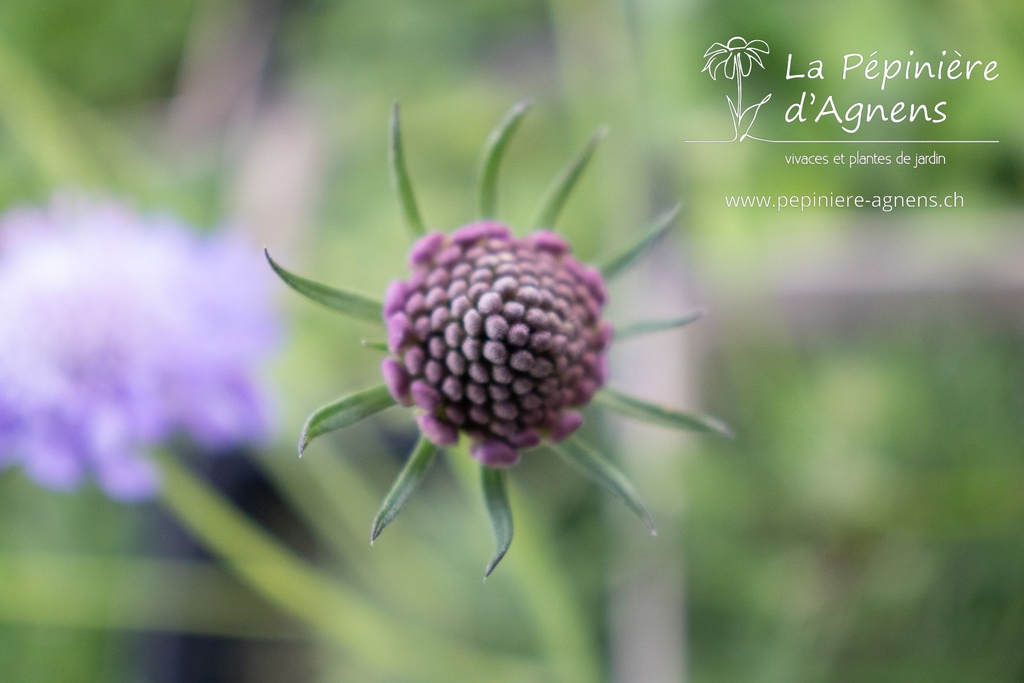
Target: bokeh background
{"points": [[864, 525]]}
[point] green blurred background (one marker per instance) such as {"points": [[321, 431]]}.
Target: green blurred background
{"points": [[865, 524]]}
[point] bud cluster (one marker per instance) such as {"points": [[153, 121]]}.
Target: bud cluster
{"points": [[496, 337]]}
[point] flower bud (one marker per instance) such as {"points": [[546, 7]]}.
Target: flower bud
{"points": [[496, 337]]}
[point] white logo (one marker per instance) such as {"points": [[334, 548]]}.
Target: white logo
{"points": [[735, 59]]}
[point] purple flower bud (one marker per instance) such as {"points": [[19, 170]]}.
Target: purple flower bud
{"points": [[513, 340]]}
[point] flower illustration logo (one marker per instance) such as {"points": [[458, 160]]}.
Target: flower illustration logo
{"points": [[736, 59]]}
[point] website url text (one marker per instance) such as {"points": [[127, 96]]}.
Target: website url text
{"points": [[844, 201]]}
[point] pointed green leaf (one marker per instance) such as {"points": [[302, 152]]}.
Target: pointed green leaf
{"points": [[660, 415], [408, 479], [344, 412], [586, 458], [651, 326], [626, 258], [400, 178], [494, 150], [563, 185], [349, 303], [499, 510], [376, 345]]}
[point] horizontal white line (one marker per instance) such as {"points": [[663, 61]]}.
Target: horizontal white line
{"points": [[851, 142]]}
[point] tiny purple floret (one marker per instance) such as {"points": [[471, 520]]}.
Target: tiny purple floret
{"points": [[474, 232], [394, 298], [425, 248], [425, 396], [396, 377], [399, 331], [567, 424], [438, 431], [494, 453], [546, 240]]}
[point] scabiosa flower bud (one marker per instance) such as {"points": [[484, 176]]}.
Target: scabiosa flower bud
{"points": [[496, 337], [120, 331]]}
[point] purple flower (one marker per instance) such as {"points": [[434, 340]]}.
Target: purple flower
{"points": [[497, 338], [119, 332]]}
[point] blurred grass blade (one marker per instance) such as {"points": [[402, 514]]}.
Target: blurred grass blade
{"points": [[340, 614], [408, 479], [35, 118], [659, 415], [493, 153], [586, 458], [652, 326], [400, 178], [563, 185], [349, 303], [344, 412], [499, 510], [375, 345], [626, 258]]}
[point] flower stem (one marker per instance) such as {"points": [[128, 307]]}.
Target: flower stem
{"points": [[546, 590], [93, 591], [333, 610]]}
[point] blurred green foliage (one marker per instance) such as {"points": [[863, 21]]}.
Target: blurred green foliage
{"points": [[877, 536], [864, 526], [112, 53]]}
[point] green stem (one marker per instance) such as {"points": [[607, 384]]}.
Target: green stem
{"points": [[335, 500], [333, 610], [546, 589], [133, 593]]}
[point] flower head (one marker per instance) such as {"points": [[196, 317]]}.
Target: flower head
{"points": [[119, 332], [496, 337], [736, 57]]}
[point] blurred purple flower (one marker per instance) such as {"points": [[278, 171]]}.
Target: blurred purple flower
{"points": [[119, 332]]}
